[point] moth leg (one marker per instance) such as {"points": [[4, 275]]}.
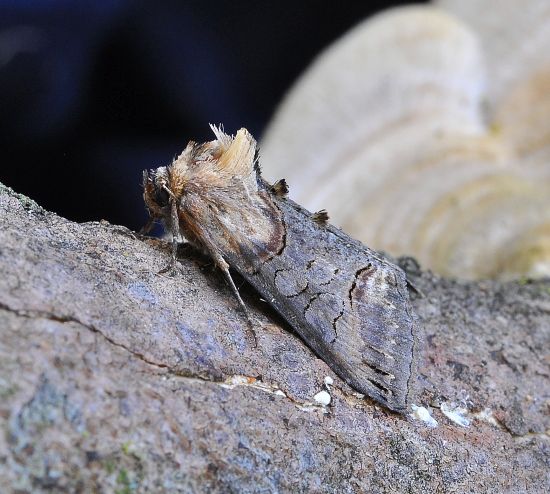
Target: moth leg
{"points": [[176, 236], [220, 262], [145, 229], [224, 267], [411, 286]]}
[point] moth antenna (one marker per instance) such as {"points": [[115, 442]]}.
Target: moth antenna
{"points": [[280, 188], [320, 217]]}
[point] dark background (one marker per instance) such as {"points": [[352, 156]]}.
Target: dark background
{"points": [[92, 93]]}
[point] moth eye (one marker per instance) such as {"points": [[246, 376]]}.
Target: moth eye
{"points": [[161, 197]]}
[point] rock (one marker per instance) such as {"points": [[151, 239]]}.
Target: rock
{"points": [[425, 131], [114, 378]]}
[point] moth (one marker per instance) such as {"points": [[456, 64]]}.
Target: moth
{"points": [[349, 304]]}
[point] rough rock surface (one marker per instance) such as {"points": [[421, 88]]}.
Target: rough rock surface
{"points": [[114, 378]]}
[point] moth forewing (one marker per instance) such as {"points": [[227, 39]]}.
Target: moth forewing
{"points": [[348, 304]]}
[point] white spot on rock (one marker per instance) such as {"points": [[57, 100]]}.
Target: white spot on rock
{"points": [[329, 381], [456, 413], [323, 398], [423, 414], [486, 415]]}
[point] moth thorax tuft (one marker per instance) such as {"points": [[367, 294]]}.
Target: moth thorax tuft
{"points": [[320, 217], [280, 188]]}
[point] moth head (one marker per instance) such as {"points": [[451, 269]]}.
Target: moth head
{"points": [[155, 192]]}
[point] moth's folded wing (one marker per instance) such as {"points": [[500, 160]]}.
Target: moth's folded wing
{"points": [[377, 335]]}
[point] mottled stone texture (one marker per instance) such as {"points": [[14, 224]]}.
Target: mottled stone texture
{"points": [[116, 379]]}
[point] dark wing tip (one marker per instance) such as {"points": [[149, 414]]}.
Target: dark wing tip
{"points": [[320, 217], [280, 188]]}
